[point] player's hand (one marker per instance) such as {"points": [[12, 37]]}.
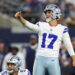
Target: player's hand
{"points": [[18, 14]]}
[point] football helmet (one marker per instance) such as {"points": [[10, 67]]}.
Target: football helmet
{"points": [[56, 12], [16, 61]]}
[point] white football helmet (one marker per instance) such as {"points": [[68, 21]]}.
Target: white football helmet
{"points": [[56, 12], [16, 61]]}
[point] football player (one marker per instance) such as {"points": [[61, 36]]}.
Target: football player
{"points": [[13, 67], [51, 34]]}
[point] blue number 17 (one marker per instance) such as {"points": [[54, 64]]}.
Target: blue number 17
{"points": [[51, 43]]}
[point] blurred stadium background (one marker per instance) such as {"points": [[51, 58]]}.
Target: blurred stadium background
{"points": [[14, 35]]}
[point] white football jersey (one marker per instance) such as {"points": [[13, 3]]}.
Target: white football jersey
{"points": [[20, 72], [50, 39]]}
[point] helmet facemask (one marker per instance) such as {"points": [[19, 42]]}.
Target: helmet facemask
{"points": [[10, 70], [50, 18]]}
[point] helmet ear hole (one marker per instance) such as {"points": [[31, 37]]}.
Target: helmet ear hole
{"points": [[57, 17]]}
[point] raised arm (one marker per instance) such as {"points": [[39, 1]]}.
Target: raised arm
{"points": [[68, 44], [26, 23]]}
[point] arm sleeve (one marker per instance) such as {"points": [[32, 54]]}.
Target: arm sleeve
{"points": [[33, 27], [67, 42]]}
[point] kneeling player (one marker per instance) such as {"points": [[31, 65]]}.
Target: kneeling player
{"points": [[13, 67]]}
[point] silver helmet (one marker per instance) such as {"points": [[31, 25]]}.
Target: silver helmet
{"points": [[56, 12], [16, 61]]}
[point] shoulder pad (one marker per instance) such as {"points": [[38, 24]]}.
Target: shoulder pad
{"points": [[37, 23], [25, 71], [64, 25], [22, 70]]}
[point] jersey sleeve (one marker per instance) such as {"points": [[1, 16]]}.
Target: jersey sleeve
{"points": [[33, 27], [3, 73], [29, 73], [65, 30], [25, 72], [67, 42]]}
